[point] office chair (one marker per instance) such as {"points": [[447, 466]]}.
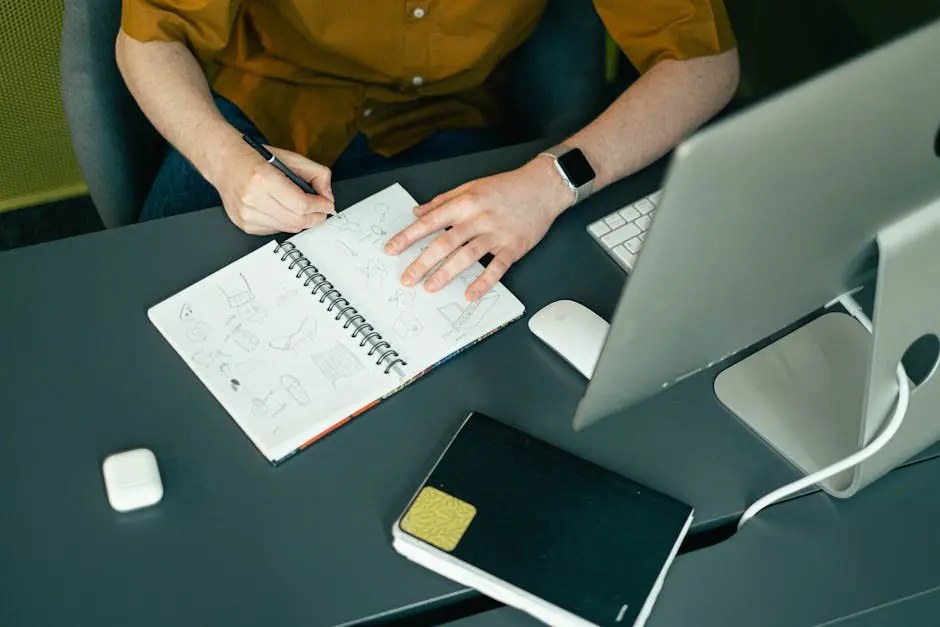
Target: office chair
{"points": [[554, 83]]}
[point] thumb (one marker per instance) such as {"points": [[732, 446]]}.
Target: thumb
{"points": [[320, 176]]}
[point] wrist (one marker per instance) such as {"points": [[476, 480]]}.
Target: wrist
{"points": [[555, 193], [217, 148]]}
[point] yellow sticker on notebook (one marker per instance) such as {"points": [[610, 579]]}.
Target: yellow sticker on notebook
{"points": [[438, 518]]}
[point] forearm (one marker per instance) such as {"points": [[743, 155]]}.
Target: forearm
{"points": [[171, 89], [655, 113]]}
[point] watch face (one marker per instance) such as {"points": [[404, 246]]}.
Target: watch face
{"points": [[576, 167]]}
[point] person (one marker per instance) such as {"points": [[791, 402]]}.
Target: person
{"points": [[330, 86]]}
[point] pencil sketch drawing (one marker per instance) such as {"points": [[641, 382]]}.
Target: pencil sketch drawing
{"points": [[374, 271], [260, 407], [239, 293], [241, 298], [252, 312], [346, 249], [403, 299], [292, 385], [198, 332], [203, 358], [463, 317], [381, 210], [343, 224], [375, 235], [337, 364], [286, 295], [407, 326], [246, 340], [186, 313], [235, 384], [306, 330]]}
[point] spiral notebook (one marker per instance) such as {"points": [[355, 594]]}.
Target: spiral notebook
{"points": [[298, 337]]}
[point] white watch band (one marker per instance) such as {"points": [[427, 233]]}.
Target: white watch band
{"points": [[580, 193]]}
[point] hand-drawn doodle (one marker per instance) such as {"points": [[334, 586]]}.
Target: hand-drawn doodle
{"points": [[337, 363], [246, 340], [346, 249], [286, 295], [293, 387], [407, 326], [198, 332], [374, 271], [186, 313], [203, 358], [375, 235], [463, 317], [235, 384], [381, 210], [288, 342], [252, 312], [403, 299], [259, 406], [343, 224], [241, 298]]}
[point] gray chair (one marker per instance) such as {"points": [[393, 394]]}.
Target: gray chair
{"points": [[555, 82], [117, 149]]}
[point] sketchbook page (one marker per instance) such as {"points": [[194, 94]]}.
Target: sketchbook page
{"points": [[269, 352], [424, 328]]}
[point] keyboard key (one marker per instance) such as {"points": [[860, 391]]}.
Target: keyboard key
{"points": [[644, 222], [630, 213], [598, 228], [620, 235], [634, 245], [655, 197], [644, 205], [614, 221], [625, 255], [642, 236]]}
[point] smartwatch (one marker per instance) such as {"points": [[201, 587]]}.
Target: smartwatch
{"points": [[574, 169]]}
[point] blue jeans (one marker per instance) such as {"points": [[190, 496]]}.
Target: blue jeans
{"points": [[180, 188]]}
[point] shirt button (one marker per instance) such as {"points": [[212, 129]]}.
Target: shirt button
{"points": [[367, 113], [418, 13], [417, 81]]}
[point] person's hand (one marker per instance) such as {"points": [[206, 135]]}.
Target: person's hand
{"points": [[260, 200], [505, 215]]}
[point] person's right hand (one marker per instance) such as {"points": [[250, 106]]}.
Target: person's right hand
{"points": [[260, 200]]}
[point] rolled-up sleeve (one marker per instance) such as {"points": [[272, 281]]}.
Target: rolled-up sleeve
{"points": [[650, 31], [205, 26]]}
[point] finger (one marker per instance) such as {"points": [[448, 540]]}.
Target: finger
{"points": [[491, 275], [437, 201], [439, 250], [446, 215], [256, 223], [283, 191], [318, 175], [286, 220], [464, 257]]}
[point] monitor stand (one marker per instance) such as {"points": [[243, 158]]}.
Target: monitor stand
{"points": [[824, 391]]}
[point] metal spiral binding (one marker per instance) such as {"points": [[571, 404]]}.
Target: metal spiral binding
{"points": [[313, 277]]}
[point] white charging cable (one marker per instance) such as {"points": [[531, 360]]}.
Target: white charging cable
{"points": [[890, 428]]}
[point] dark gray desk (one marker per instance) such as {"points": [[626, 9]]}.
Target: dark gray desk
{"points": [[236, 542], [813, 561]]}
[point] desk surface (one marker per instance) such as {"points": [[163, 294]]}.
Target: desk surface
{"points": [[84, 374], [872, 560]]}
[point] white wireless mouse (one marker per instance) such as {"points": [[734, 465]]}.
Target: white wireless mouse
{"points": [[573, 331]]}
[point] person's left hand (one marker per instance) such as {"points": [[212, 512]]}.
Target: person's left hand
{"points": [[506, 215]]}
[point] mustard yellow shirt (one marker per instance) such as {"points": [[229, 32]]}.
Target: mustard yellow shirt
{"points": [[312, 73]]}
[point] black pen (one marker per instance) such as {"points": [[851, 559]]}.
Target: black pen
{"points": [[267, 156]]}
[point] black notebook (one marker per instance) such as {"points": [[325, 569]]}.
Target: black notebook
{"points": [[540, 529]]}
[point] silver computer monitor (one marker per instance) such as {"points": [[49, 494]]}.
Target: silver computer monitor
{"points": [[766, 217]]}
